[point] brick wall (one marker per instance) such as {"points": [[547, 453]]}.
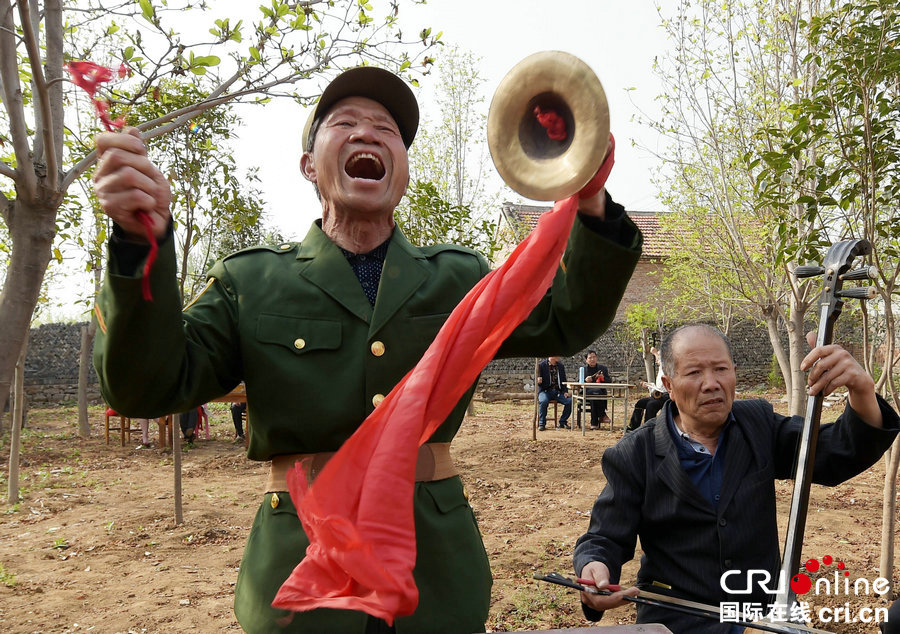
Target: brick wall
{"points": [[647, 276]]}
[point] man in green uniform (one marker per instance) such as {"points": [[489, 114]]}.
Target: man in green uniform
{"points": [[353, 305]]}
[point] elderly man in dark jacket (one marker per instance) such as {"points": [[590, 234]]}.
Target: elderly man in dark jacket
{"points": [[696, 484]]}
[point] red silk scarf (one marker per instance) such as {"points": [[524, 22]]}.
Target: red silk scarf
{"points": [[361, 558]]}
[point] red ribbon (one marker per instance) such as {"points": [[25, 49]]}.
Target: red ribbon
{"points": [[555, 124], [88, 76], [599, 179]]}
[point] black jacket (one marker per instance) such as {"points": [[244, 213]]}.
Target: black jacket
{"points": [[544, 373], [687, 543]]}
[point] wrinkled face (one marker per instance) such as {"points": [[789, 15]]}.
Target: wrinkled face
{"points": [[591, 359], [704, 379], [359, 161]]}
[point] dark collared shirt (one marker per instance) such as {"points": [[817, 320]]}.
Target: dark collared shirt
{"points": [[367, 267], [704, 469]]}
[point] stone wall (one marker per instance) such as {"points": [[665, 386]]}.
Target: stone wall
{"points": [[752, 354], [51, 366]]}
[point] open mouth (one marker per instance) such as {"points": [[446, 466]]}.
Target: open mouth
{"points": [[366, 166]]}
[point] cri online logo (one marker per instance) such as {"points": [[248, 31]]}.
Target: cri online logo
{"points": [[801, 583]]}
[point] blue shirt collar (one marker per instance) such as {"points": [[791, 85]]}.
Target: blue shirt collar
{"points": [[682, 440]]}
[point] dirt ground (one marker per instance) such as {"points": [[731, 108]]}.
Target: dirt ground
{"points": [[92, 545]]}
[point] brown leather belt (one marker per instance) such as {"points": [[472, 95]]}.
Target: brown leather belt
{"points": [[433, 463]]}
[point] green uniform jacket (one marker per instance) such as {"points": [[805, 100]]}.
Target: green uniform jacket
{"points": [[293, 323]]}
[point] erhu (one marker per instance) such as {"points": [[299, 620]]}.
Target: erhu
{"points": [[836, 269]]}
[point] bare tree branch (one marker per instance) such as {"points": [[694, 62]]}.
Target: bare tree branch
{"points": [[41, 95], [53, 27], [6, 170], [165, 124], [25, 178]]}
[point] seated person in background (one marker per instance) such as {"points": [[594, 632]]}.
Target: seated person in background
{"points": [[188, 422], [596, 373], [145, 433], [648, 407], [552, 383], [697, 484], [237, 413]]}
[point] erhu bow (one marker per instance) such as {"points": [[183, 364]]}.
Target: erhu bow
{"points": [[836, 270]]}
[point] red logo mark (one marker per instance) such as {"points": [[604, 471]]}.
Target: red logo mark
{"points": [[801, 583]]}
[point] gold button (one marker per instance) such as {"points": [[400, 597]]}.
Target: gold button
{"points": [[376, 400], [275, 501], [285, 246], [299, 343], [377, 348]]}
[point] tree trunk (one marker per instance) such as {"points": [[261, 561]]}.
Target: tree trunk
{"points": [[784, 364], [84, 360], [892, 458], [534, 421], [889, 513], [176, 462], [31, 230], [17, 410], [797, 346], [648, 356]]}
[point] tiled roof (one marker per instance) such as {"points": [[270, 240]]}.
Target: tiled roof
{"points": [[523, 218]]}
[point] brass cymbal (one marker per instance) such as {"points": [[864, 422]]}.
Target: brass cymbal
{"points": [[531, 163]]}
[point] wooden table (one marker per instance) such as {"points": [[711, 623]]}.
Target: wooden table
{"points": [[166, 423], [614, 392], [237, 395]]}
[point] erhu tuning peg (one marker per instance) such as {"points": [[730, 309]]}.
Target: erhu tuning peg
{"points": [[808, 270], [859, 292], [864, 273]]}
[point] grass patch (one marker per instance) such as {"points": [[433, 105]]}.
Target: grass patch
{"points": [[534, 607], [7, 577]]}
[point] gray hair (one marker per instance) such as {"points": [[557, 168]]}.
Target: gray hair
{"points": [[667, 358], [313, 131], [310, 143]]}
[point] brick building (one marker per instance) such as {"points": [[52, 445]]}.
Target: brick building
{"points": [[517, 221]]}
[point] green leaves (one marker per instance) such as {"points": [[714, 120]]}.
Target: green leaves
{"points": [[225, 32], [198, 64], [429, 219], [147, 10]]}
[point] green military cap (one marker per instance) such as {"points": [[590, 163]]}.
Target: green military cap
{"points": [[374, 83]]}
